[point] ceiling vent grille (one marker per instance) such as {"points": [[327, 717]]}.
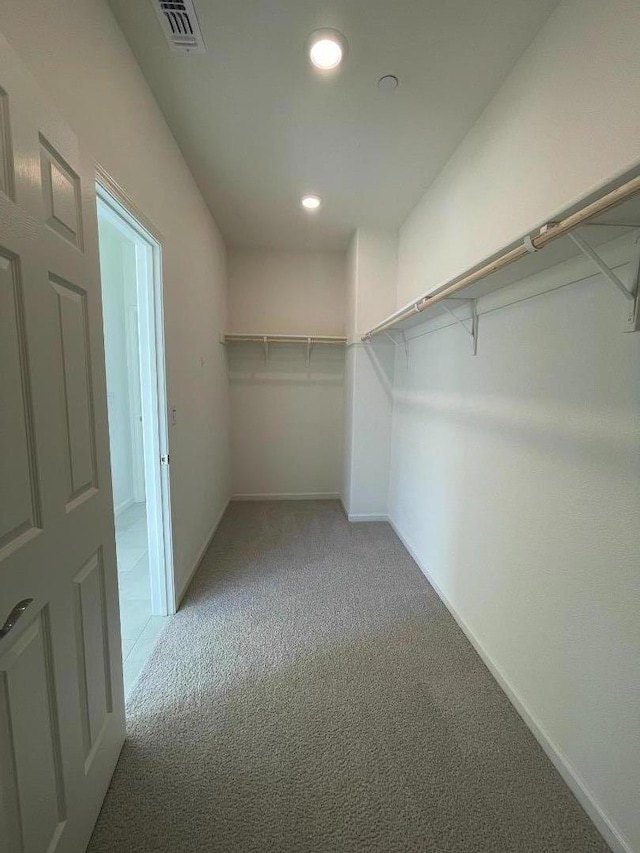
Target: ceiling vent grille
{"points": [[180, 25]]}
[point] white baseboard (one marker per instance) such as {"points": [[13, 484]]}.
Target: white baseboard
{"points": [[123, 506], [185, 584], [366, 517], [288, 496], [614, 838], [362, 516]]}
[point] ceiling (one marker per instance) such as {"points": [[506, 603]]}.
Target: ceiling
{"points": [[258, 127]]}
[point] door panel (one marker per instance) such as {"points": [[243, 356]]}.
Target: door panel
{"points": [[61, 194], [30, 743], [19, 498], [6, 159], [91, 640], [78, 397], [61, 697]]}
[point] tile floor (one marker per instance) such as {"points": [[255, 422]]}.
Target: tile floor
{"points": [[139, 628]]}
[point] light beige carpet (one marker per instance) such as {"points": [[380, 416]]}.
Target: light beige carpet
{"points": [[314, 694]]}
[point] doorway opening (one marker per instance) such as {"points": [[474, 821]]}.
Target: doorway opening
{"points": [[138, 431]]}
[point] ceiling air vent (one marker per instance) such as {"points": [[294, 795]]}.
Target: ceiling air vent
{"points": [[180, 25]]}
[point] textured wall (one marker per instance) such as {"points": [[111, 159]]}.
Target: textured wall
{"points": [[566, 121], [287, 292], [286, 417], [515, 474], [371, 283], [516, 481], [80, 57]]}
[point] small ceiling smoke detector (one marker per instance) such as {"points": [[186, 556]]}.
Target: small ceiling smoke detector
{"points": [[311, 201], [326, 49], [388, 83]]}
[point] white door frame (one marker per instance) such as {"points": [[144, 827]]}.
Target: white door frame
{"points": [[135, 399], [116, 206]]}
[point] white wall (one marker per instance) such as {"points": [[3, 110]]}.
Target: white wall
{"points": [[286, 421], [80, 57], [515, 475], [371, 281], [566, 121], [515, 482], [286, 292], [286, 418], [372, 278], [368, 406]]}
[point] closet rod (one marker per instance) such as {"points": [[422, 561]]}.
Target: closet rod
{"points": [[546, 234]]}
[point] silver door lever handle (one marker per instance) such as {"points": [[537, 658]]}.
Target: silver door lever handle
{"points": [[13, 617]]}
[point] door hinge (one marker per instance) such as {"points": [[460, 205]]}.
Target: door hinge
{"points": [[164, 459]]}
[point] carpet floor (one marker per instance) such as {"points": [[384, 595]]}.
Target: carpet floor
{"points": [[313, 695]]}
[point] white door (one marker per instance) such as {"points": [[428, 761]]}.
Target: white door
{"points": [[61, 698]]}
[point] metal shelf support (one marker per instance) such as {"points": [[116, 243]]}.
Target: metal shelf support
{"points": [[402, 340], [587, 250], [405, 343], [473, 331]]}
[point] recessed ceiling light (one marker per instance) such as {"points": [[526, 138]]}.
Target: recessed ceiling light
{"points": [[326, 54], [326, 49], [311, 201]]}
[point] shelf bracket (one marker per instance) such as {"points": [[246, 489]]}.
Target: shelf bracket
{"points": [[402, 339], [405, 343], [266, 349], [309, 348], [633, 316], [391, 338], [473, 331], [587, 250]]}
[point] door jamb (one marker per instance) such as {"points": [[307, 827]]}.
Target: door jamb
{"points": [[163, 598]]}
